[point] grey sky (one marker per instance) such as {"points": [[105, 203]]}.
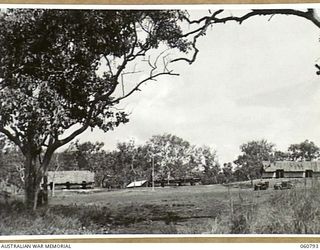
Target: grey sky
{"points": [[251, 81]]}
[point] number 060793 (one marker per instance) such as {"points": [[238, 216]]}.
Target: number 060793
{"points": [[309, 246]]}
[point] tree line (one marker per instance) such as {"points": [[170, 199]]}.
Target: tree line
{"points": [[168, 156]]}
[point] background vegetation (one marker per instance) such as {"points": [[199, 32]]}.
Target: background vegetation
{"points": [[171, 156]]}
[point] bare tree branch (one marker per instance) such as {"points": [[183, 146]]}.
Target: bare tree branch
{"points": [[203, 19], [69, 138], [196, 50], [109, 64], [165, 63], [309, 15], [127, 73], [136, 88], [214, 19]]}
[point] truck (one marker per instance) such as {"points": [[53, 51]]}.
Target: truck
{"points": [[283, 185], [261, 185]]}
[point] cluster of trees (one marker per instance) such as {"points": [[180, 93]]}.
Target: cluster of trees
{"points": [[304, 151], [249, 166], [169, 156]]}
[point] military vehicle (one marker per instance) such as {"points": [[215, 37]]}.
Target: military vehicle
{"points": [[283, 185], [261, 185]]}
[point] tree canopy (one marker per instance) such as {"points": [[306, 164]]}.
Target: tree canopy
{"points": [[171, 158], [304, 151], [49, 68], [172, 155], [253, 154]]}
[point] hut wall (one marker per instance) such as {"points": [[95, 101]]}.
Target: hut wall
{"points": [[293, 174], [316, 174], [266, 175]]}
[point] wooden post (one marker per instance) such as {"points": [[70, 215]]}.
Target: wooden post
{"points": [[133, 171], [45, 190], [230, 203], [313, 182], [52, 190], [305, 186], [54, 174], [240, 197], [152, 173]]}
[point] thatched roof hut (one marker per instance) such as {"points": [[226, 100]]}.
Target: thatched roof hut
{"points": [[292, 166], [291, 169], [75, 177]]}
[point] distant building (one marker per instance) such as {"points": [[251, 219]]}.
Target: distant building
{"points": [[143, 183], [291, 169], [8, 187], [71, 179]]}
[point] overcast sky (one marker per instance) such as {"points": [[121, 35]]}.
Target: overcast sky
{"points": [[251, 81]]}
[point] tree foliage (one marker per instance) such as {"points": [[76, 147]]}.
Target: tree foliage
{"points": [[49, 64], [172, 156], [11, 163], [127, 168], [304, 151], [281, 156], [206, 164], [253, 154], [227, 171]]}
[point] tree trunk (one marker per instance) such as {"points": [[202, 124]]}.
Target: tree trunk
{"points": [[32, 181], [102, 181], [34, 174], [45, 189]]}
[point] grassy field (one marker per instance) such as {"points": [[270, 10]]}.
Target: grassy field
{"points": [[213, 209], [165, 210]]}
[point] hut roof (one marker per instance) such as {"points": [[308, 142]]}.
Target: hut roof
{"points": [[136, 183], [77, 176], [292, 166]]}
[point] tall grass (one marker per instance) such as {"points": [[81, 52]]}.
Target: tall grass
{"points": [[91, 219], [16, 220], [295, 211]]}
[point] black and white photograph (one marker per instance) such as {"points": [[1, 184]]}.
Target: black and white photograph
{"points": [[160, 120]]}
